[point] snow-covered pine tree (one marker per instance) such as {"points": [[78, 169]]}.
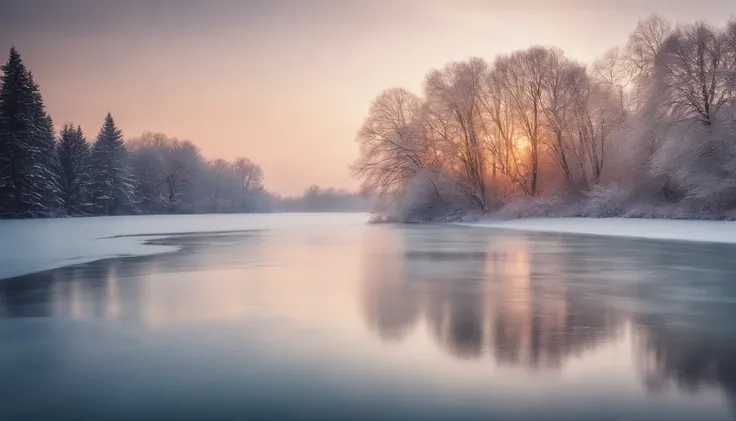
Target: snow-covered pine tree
{"points": [[74, 154], [112, 184], [47, 162], [20, 164]]}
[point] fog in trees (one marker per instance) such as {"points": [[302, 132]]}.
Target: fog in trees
{"points": [[167, 172], [44, 175], [319, 199], [646, 130], [172, 176]]}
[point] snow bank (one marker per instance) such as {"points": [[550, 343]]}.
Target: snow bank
{"points": [[28, 246], [659, 229]]}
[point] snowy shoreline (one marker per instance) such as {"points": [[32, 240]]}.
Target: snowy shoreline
{"points": [[36, 245], [32, 246], [653, 229]]}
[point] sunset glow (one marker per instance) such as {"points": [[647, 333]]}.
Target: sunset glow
{"points": [[260, 78]]}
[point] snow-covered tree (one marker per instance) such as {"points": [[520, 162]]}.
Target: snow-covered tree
{"points": [[648, 126], [28, 184], [146, 158], [74, 155], [250, 181], [234, 187], [391, 143], [112, 184], [17, 196], [523, 80], [453, 92], [40, 177], [642, 49], [219, 182], [44, 135], [182, 170], [168, 173]]}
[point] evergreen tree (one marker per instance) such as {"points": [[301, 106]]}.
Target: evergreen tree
{"points": [[74, 154], [20, 167], [47, 161], [112, 185]]}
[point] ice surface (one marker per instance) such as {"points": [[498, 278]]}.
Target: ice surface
{"points": [[28, 246], [661, 229]]}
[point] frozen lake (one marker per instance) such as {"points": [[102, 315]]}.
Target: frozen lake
{"points": [[329, 318]]}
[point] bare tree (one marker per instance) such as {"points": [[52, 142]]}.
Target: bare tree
{"points": [[500, 128], [181, 170], [599, 116], [614, 71], [563, 80], [454, 92], [167, 171], [250, 180], [644, 46], [392, 150], [730, 47], [524, 73], [219, 183], [693, 73], [629, 119]]}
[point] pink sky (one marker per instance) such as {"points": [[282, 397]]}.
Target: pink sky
{"points": [[286, 83]]}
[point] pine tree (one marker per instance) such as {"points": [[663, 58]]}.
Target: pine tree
{"points": [[112, 185], [74, 155], [47, 161], [20, 166]]}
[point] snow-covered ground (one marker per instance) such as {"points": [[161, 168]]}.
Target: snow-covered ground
{"points": [[660, 229], [28, 246]]}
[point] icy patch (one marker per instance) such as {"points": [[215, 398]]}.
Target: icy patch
{"points": [[28, 246], [659, 229]]}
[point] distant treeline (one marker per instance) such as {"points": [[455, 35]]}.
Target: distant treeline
{"points": [[316, 199], [45, 175]]}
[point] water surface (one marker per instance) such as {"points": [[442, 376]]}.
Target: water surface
{"points": [[377, 322]]}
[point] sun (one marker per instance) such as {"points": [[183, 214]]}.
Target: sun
{"points": [[521, 144]]}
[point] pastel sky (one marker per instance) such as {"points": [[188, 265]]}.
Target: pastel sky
{"points": [[286, 83]]}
